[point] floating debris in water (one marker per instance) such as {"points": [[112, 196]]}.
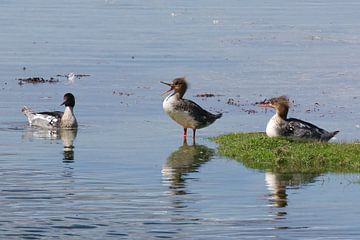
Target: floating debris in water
{"points": [[250, 111], [72, 76], [233, 102], [36, 80], [315, 108], [205, 95], [122, 93], [216, 21]]}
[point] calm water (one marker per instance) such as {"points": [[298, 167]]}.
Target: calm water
{"points": [[129, 175]]}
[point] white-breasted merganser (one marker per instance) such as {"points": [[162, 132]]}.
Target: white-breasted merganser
{"points": [[280, 125], [55, 119], [186, 112]]}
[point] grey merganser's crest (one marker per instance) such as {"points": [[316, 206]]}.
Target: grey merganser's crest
{"points": [[280, 125], [186, 112], [54, 119]]}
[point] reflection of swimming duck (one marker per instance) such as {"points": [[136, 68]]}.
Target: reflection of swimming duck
{"points": [[278, 182], [186, 159], [186, 112], [55, 119], [67, 136], [280, 125]]}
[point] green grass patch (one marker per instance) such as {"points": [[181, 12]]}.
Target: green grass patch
{"points": [[256, 150]]}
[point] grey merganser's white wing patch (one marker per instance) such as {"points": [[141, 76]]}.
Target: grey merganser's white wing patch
{"points": [[43, 119]]}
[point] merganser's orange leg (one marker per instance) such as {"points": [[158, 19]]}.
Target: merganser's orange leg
{"points": [[185, 130]]}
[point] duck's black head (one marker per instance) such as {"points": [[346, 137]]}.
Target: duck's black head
{"points": [[69, 100]]}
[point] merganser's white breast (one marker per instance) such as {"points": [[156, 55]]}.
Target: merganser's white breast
{"points": [[276, 126], [171, 106], [68, 119]]}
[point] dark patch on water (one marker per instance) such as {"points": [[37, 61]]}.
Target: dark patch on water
{"points": [[36, 80]]}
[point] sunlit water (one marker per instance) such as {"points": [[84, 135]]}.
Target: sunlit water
{"points": [[126, 174]]}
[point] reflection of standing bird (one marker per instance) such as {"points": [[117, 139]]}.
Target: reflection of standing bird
{"points": [[280, 125], [186, 112], [186, 159], [55, 119]]}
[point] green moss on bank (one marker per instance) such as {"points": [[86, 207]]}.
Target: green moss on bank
{"points": [[256, 150]]}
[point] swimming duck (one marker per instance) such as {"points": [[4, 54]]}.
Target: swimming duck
{"points": [[280, 125], [54, 119], [186, 112]]}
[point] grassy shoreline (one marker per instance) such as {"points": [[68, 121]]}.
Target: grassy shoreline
{"points": [[256, 150]]}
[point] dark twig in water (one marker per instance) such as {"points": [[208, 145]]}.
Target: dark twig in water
{"points": [[122, 93], [36, 80], [206, 95]]}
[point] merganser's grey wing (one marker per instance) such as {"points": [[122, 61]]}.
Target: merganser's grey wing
{"points": [[201, 116], [43, 119], [56, 114], [302, 129]]}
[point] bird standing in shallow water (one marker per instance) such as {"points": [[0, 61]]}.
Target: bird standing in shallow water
{"points": [[280, 125], [186, 112], [56, 119]]}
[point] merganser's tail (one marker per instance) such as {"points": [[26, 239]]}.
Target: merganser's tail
{"points": [[327, 136], [28, 112], [217, 116]]}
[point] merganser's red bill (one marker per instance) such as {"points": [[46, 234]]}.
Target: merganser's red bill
{"points": [[168, 84], [265, 103]]}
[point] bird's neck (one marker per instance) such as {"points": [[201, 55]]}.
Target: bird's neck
{"points": [[282, 112], [174, 96], [68, 112]]}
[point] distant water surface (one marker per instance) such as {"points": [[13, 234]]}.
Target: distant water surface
{"points": [[126, 174]]}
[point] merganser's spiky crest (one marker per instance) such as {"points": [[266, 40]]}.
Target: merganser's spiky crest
{"points": [[186, 112], [280, 125], [55, 119]]}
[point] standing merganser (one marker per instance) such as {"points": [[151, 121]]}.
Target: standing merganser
{"points": [[186, 112], [280, 125], [55, 119]]}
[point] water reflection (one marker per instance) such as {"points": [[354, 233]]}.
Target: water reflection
{"points": [[186, 159], [278, 183], [67, 136]]}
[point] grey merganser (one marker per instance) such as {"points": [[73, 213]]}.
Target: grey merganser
{"points": [[280, 125], [186, 112], [57, 119]]}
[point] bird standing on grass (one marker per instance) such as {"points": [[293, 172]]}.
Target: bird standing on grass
{"points": [[186, 112]]}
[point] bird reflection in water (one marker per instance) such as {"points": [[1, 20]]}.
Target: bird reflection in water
{"points": [[278, 183], [67, 136], [187, 159]]}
